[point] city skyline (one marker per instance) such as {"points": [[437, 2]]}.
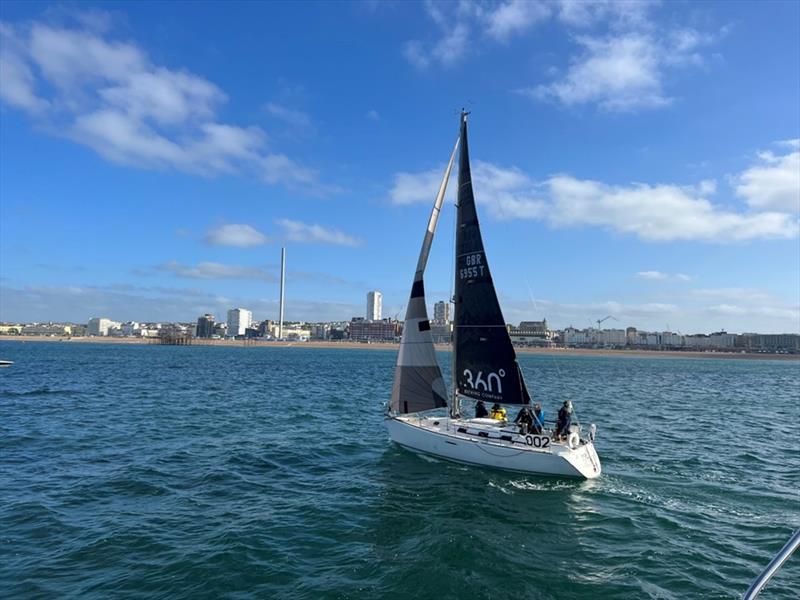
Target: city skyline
{"points": [[153, 167]]}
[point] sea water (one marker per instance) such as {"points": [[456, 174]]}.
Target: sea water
{"points": [[238, 472]]}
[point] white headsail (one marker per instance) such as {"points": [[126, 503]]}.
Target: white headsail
{"points": [[418, 383]]}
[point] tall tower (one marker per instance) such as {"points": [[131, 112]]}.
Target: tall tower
{"points": [[205, 326], [374, 305], [283, 280], [441, 312], [239, 319]]}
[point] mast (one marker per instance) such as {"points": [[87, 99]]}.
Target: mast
{"points": [[455, 409], [283, 279]]}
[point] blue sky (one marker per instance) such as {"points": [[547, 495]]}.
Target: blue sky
{"points": [[640, 160]]}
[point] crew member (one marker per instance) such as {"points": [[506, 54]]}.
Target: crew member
{"points": [[538, 419], [524, 419], [564, 419], [480, 410], [498, 412]]}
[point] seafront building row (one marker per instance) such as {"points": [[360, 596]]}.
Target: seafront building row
{"points": [[240, 325]]}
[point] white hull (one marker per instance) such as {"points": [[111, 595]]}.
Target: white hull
{"points": [[479, 442]]}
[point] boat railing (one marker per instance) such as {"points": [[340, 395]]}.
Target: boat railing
{"points": [[773, 566]]}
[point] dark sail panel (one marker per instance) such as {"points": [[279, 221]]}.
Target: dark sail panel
{"points": [[485, 362]]}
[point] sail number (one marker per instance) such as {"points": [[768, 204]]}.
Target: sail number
{"points": [[475, 267], [537, 441]]}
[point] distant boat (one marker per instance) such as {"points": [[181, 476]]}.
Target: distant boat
{"points": [[485, 366], [6, 363]]}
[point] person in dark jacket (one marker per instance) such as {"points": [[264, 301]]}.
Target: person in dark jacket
{"points": [[480, 410], [524, 419], [564, 419]]}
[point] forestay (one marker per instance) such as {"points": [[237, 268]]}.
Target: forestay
{"points": [[485, 363]]}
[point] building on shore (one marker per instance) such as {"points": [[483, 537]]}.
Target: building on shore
{"points": [[99, 326], [239, 319], [205, 326], [385, 330], [48, 329], [441, 312], [768, 342], [267, 328], [374, 306], [531, 333]]}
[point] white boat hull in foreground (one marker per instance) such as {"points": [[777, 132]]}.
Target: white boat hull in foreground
{"points": [[481, 442]]}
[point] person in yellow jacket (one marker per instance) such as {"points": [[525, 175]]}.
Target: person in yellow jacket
{"points": [[498, 413]]}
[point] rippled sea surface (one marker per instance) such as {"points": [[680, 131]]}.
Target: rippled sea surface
{"points": [[205, 472]]}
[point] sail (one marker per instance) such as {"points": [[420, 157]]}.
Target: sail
{"points": [[418, 383], [485, 364]]}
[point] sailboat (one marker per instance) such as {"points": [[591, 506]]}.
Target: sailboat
{"points": [[485, 368]]}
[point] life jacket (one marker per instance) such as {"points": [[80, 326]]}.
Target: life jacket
{"points": [[499, 414]]}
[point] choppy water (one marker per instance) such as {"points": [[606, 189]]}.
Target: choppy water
{"points": [[203, 472]]}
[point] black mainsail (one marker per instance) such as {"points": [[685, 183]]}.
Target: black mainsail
{"points": [[418, 383], [485, 364]]}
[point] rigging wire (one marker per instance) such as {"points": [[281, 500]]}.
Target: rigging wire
{"points": [[553, 358], [560, 376]]}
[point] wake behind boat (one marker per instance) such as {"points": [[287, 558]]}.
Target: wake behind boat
{"points": [[485, 367]]}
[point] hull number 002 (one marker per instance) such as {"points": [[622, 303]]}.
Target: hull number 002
{"points": [[537, 441]]}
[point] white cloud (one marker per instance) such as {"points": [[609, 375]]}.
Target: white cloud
{"points": [[452, 46], [17, 82], [652, 275], [373, 115], [447, 51], [243, 236], [794, 143], [660, 276], [583, 13], [623, 57], [618, 73], [507, 192], [297, 231], [293, 117], [656, 213], [410, 188], [707, 187], [515, 17], [415, 53], [624, 68], [107, 94], [457, 21], [214, 270], [774, 183], [732, 294]]}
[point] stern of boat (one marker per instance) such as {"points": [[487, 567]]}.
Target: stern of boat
{"points": [[583, 459]]}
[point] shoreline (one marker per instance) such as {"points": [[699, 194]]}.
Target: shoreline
{"points": [[394, 346]]}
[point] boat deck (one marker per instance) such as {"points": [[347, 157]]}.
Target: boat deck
{"points": [[489, 431]]}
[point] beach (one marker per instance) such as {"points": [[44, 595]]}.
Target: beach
{"points": [[255, 343]]}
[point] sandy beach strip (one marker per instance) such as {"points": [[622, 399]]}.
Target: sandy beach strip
{"points": [[394, 347]]}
